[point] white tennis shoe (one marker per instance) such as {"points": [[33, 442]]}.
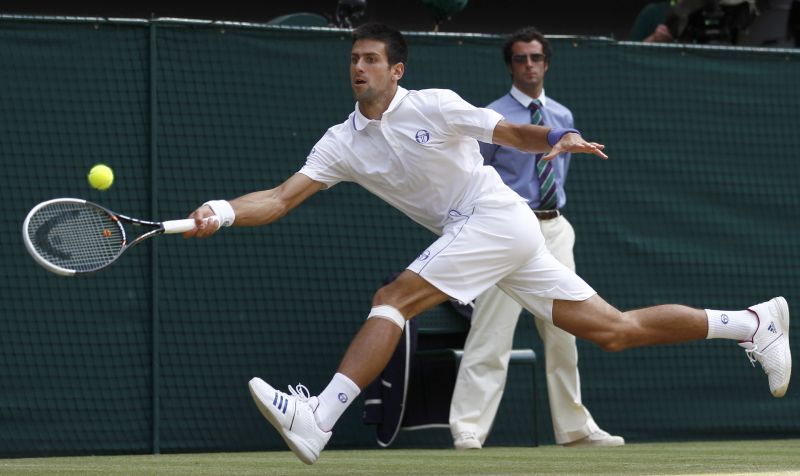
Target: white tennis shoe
{"points": [[770, 344], [597, 439], [293, 417], [467, 440]]}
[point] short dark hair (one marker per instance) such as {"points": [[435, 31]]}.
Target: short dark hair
{"points": [[526, 35], [396, 47]]}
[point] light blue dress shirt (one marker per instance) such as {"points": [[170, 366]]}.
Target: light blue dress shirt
{"points": [[516, 168]]}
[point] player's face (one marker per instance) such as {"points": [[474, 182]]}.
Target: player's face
{"points": [[528, 66], [371, 76]]}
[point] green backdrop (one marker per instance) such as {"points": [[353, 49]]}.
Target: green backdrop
{"points": [[696, 205]]}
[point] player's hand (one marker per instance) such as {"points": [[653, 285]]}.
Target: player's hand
{"points": [[205, 223], [572, 142]]}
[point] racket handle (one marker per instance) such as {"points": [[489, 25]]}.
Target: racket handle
{"points": [[179, 226]]}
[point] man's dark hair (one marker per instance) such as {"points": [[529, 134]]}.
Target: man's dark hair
{"points": [[526, 35], [396, 48]]}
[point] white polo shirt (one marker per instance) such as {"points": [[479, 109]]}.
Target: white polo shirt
{"points": [[422, 156]]}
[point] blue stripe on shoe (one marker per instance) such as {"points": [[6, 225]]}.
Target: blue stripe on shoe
{"points": [[280, 402]]}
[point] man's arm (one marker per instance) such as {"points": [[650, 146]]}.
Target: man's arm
{"points": [[259, 208], [532, 138]]}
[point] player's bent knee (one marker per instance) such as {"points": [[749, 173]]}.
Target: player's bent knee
{"points": [[389, 313]]}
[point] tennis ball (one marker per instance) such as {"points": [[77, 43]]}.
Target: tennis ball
{"points": [[101, 176]]}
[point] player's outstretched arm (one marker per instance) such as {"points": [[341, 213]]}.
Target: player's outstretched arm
{"points": [[532, 138], [258, 208]]}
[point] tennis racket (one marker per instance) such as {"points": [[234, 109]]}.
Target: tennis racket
{"points": [[70, 236]]}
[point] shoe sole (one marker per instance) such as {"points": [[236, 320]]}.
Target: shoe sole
{"points": [[596, 444], [467, 446], [783, 318], [298, 448]]}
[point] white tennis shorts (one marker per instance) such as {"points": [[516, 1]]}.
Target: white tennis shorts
{"points": [[500, 244]]}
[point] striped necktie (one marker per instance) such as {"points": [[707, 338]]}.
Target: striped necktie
{"points": [[548, 198]]}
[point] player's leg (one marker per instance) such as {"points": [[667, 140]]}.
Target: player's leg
{"points": [[305, 421], [373, 346], [597, 321], [551, 291], [483, 369], [763, 329]]}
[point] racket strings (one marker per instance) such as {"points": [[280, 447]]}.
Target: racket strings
{"points": [[76, 236]]}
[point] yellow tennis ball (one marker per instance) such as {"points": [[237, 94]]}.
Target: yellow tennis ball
{"points": [[101, 177]]}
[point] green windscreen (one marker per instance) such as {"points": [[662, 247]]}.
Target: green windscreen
{"points": [[697, 205]]}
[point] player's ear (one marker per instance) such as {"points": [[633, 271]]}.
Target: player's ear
{"points": [[398, 70]]}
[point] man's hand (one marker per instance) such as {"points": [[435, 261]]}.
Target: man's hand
{"points": [[206, 223], [572, 142], [660, 35]]}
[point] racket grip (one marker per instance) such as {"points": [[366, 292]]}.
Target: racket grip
{"points": [[178, 226]]}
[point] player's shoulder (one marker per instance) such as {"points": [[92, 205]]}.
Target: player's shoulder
{"points": [[431, 101], [432, 93]]}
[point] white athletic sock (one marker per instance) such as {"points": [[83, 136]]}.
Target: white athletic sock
{"points": [[334, 400], [736, 325]]}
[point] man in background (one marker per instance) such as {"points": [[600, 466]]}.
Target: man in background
{"points": [[484, 365]]}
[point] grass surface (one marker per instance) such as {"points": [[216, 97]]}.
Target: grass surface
{"points": [[776, 457]]}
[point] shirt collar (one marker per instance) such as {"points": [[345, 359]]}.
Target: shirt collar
{"points": [[526, 100], [360, 121]]}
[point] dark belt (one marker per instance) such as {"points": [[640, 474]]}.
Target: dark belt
{"points": [[547, 214]]}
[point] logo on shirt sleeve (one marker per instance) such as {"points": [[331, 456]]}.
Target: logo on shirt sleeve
{"points": [[423, 136]]}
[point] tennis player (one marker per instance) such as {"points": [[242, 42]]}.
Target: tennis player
{"points": [[417, 150]]}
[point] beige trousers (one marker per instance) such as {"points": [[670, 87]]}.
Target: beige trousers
{"points": [[484, 366]]}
